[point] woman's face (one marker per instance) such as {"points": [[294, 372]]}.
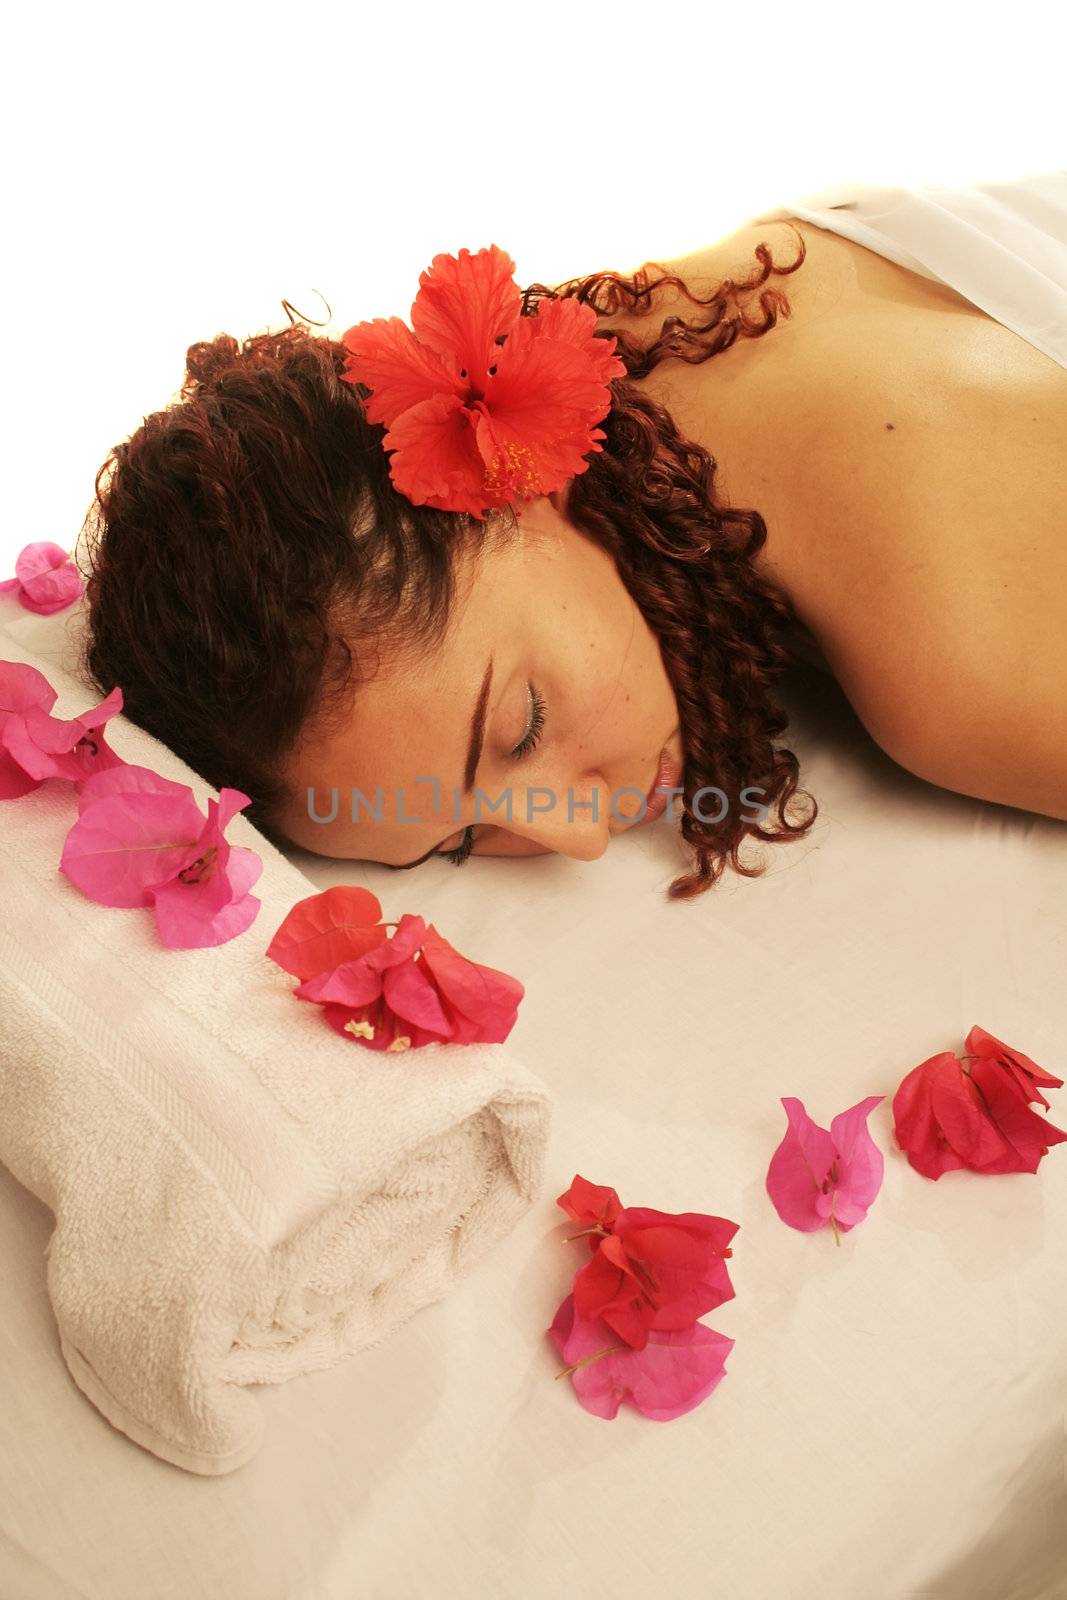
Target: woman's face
{"points": [[578, 699]]}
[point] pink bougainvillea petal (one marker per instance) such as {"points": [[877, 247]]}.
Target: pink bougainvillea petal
{"points": [[222, 811], [124, 843], [15, 781], [128, 778], [22, 688], [798, 1168], [51, 591], [183, 925], [672, 1374], [324, 930], [385, 355], [244, 868], [435, 460], [46, 578], [860, 1162], [465, 302], [56, 747], [204, 900], [818, 1177], [38, 559]]}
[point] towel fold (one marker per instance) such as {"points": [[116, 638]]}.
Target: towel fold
{"points": [[240, 1195]]}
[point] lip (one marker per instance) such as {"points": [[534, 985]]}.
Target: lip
{"points": [[668, 776]]}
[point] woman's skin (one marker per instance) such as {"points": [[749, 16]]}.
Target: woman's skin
{"points": [[551, 611], [908, 454]]}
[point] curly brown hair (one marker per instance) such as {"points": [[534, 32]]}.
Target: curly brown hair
{"points": [[249, 532]]}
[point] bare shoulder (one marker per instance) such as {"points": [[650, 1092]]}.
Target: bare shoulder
{"points": [[937, 572], [909, 454]]}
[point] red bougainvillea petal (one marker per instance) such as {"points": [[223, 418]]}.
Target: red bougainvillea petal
{"points": [[609, 1290], [435, 460], [656, 1270], [961, 1115], [323, 930], [353, 984], [386, 356], [411, 996], [1026, 1074], [1027, 1135], [389, 996], [409, 934], [590, 1203], [487, 998], [941, 1122], [669, 1376], [464, 303], [376, 1028], [680, 1257]]}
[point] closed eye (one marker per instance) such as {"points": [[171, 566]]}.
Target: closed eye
{"points": [[535, 728]]}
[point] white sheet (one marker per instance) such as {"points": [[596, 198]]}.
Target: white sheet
{"points": [[1003, 246], [892, 1421]]}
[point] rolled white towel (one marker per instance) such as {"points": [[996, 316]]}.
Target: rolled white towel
{"points": [[240, 1196]]}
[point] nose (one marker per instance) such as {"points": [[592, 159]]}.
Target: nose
{"points": [[542, 823]]}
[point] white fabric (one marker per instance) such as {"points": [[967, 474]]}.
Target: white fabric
{"points": [[240, 1196], [892, 1420], [1003, 246]]}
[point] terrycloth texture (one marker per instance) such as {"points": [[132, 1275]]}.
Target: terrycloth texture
{"points": [[240, 1196]]}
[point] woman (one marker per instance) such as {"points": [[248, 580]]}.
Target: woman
{"points": [[871, 467]]}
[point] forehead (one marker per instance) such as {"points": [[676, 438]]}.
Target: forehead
{"points": [[408, 720]]}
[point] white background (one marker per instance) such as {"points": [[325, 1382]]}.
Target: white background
{"points": [[174, 172]]}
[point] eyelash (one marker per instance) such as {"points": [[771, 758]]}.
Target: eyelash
{"points": [[524, 748]]}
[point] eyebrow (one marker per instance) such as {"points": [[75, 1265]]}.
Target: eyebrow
{"points": [[474, 755]]}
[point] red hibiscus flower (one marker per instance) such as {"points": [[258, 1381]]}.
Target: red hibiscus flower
{"points": [[651, 1270], [483, 406], [947, 1116]]}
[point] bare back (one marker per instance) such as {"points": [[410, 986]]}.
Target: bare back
{"points": [[909, 455]]}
